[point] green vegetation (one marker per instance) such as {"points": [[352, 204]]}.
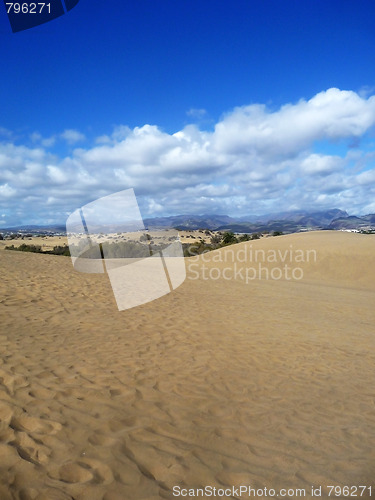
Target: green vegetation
{"points": [[143, 248], [60, 250], [217, 241], [229, 238], [57, 250], [25, 248]]}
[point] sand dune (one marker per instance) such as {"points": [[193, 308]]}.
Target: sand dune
{"points": [[268, 383]]}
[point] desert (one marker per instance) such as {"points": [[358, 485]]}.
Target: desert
{"points": [[220, 383]]}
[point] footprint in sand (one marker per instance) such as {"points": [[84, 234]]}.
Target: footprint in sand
{"points": [[74, 473], [34, 425], [6, 414], [101, 440], [116, 425], [12, 382], [42, 393], [30, 450], [116, 392], [83, 471]]}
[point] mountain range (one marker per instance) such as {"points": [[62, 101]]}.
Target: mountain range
{"points": [[287, 222]]}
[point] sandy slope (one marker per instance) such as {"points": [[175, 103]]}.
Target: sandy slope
{"points": [[219, 383]]}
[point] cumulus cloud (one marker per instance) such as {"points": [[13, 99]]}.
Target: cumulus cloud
{"points": [[255, 160], [6, 191], [322, 165], [333, 114]]}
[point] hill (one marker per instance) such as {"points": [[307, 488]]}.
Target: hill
{"points": [[286, 222]]}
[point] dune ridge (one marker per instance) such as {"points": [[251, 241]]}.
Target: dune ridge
{"points": [[220, 383]]}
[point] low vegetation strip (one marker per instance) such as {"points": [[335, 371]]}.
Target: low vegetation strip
{"points": [[57, 250], [136, 249]]}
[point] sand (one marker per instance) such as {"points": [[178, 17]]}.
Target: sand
{"points": [[45, 242], [49, 242], [224, 383]]}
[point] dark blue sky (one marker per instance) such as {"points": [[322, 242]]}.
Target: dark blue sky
{"points": [[170, 63], [132, 63]]}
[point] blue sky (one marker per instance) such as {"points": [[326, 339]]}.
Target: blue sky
{"points": [[241, 107]]}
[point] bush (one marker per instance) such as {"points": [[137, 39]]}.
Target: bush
{"points": [[215, 240], [30, 248], [196, 248], [229, 238], [244, 237], [26, 248], [57, 250], [61, 250]]}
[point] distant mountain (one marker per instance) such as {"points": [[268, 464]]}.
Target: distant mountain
{"points": [[323, 217], [353, 222], [296, 221], [287, 222], [186, 222], [56, 228], [284, 220]]}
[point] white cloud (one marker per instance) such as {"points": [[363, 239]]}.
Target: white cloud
{"points": [[56, 175], [367, 177], [332, 114], [255, 160], [6, 191], [36, 137], [48, 141], [103, 139], [318, 164], [196, 112], [72, 136]]}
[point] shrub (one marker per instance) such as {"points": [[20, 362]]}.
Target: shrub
{"points": [[215, 240], [26, 248], [57, 250], [244, 237], [61, 250], [229, 238], [196, 248]]}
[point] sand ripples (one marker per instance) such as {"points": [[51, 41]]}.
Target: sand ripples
{"points": [[273, 388]]}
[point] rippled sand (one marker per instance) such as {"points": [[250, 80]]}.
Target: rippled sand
{"points": [[221, 383]]}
